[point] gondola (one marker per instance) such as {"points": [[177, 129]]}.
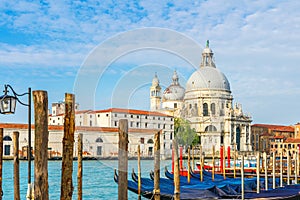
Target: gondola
{"points": [[166, 191], [250, 184], [207, 175]]}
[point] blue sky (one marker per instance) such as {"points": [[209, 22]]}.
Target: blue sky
{"points": [[44, 44]]}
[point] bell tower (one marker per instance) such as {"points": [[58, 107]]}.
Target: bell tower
{"points": [[155, 94]]}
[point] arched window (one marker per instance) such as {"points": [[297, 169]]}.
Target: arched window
{"points": [[99, 139], [7, 146], [210, 128], [150, 141], [205, 109], [213, 108], [7, 138]]}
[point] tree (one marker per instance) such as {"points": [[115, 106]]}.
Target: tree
{"points": [[185, 135]]}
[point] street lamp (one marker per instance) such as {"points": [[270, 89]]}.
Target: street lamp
{"points": [[8, 106]]}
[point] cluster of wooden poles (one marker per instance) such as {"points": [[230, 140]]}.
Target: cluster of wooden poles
{"points": [[123, 165], [40, 190], [287, 170], [221, 168], [262, 165]]}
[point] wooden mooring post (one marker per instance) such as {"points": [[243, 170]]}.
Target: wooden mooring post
{"points": [[156, 191], [288, 167], [68, 146], [213, 163], [258, 172], [193, 158], [202, 167], [40, 99], [176, 172], [224, 163], [296, 167], [281, 169], [266, 169], [1, 158], [123, 160], [273, 170], [139, 172], [16, 165], [201, 159], [243, 178], [79, 171], [234, 161], [189, 166]]}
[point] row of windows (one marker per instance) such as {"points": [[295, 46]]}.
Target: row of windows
{"points": [[146, 125], [205, 109], [285, 146], [138, 116], [125, 115], [132, 124]]}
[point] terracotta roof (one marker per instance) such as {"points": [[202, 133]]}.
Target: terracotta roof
{"points": [[132, 111], [279, 137], [292, 140], [76, 112], [265, 134], [77, 128], [56, 115], [83, 111], [281, 128]]}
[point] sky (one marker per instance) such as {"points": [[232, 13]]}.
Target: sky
{"points": [[107, 52]]}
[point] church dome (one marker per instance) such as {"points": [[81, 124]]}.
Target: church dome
{"points": [[208, 78], [175, 91]]}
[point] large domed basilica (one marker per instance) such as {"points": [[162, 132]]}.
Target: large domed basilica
{"points": [[207, 103]]}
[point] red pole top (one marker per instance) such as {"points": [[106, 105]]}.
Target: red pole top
{"points": [[221, 157], [228, 156], [180, 156]]}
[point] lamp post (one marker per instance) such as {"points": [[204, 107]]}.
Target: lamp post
{"points": [[8, 106]]}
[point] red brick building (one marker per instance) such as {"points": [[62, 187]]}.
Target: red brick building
{"points": [[263, 135]]}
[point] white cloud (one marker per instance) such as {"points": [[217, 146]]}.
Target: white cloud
{"points": [[256, 43], [41, 55]]}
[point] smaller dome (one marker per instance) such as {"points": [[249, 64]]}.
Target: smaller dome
{"points": [[155, 81], [175, 91]]}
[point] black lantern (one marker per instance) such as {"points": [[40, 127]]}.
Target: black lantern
{"points": [[7, 104]]}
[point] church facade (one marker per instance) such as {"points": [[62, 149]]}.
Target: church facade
{"points": [[207, 103]]}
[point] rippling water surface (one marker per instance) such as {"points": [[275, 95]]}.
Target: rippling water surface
{"points": [[98, 180]]}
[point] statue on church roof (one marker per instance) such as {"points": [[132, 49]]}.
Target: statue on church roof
{"points": [[207, 43]]}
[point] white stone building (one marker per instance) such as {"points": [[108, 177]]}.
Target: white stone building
{"points": [[99, 142], [138, 120], [100, 132], [207, 103]]}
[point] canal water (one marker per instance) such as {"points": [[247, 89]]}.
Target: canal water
{"points": [[98, 182]]}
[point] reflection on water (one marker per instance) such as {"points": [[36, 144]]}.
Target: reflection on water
{"points": [[98, 180]]}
